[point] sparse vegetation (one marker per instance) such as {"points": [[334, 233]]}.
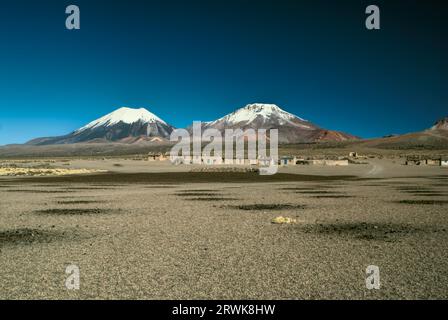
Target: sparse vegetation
{"points": [[366, 231], [79, 202], [188, 194], [212, 199], [77, 211], [27, 236], [332, 196], [273, 206], [427, 202]]}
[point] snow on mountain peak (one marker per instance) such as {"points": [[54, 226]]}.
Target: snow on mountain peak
{"points": [[259, 110], [442, 124], [125, 115]]}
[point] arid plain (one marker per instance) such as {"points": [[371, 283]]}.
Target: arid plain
{"points": [[142, 230]]}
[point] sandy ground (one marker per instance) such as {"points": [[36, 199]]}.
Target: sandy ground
{"points": [[134, 237]]}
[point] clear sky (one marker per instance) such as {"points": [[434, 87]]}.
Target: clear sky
{"points": [[188, 60]]}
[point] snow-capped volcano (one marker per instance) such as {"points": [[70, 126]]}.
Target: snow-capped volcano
{"points": [[122, 125], [125, 115], [270, 116], [261, 113]]}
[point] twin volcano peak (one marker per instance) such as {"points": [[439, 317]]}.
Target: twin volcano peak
{"points": [[124, 115], [260, 111], [126, 125], [291, 128], [129, 125]]}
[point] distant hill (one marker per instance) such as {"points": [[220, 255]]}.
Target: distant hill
{"points": [[82, 149], [435, 137]]}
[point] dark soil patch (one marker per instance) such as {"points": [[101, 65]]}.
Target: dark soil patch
{"points": [[212, 199], [426, 202], [198, 190], [273, 207], [181, 177], [439, 178], [189, 194], [71, 197], [79, 202], [199, 193], [430, 194], [109, 185], [332, 196], [51, 185], [413, 188], [316, 192], [160, 187], [365, 231], [88, 188], [398, 183], [37, 191], [304, 188], [27, 236], [417, 191], [75, 211]]}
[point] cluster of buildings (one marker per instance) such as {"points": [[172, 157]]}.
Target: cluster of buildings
{"points": [[417, 160], [290, 160], [260, 161], [158, 156]]}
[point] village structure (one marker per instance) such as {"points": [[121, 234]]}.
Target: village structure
{"points": [[157, 156], [416, 160], [419, 160], [260, 161]]}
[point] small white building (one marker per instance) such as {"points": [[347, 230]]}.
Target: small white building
{"points": [[287, 160], [444, 161], [433, 162], [324, 162], [415, 161]]}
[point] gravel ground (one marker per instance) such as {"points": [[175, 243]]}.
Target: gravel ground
{"points": [[214, 240]]}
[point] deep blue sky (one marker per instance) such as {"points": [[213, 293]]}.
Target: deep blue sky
{"points": [[191, 60]]}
